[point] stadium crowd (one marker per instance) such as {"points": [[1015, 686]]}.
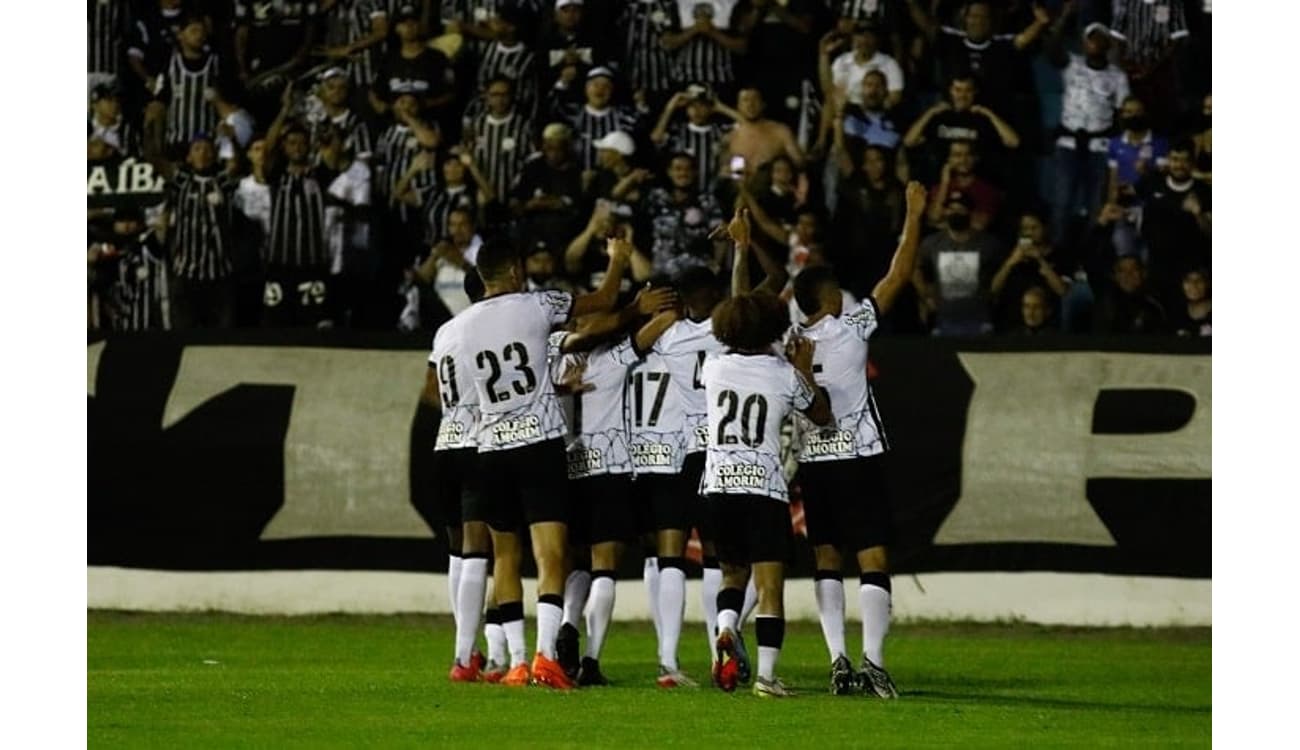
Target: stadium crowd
{"points": [[341, 162]]}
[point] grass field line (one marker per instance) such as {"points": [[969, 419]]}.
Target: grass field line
{"points": [[1042, 598]]}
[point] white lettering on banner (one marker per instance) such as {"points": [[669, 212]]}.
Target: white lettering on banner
{"points": [[347, 449], [1029, 448]]}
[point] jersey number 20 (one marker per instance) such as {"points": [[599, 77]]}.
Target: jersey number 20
{"points": [[753, 412]]}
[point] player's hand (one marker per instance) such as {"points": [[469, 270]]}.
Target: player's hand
{"points": [[916, 199], [655, 300], [571, 379], [799, 351], [619, 250]]}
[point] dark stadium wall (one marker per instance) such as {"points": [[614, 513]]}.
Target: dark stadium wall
{"points": [[233, 451]]}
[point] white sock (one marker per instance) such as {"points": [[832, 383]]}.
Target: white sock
{"points": [[454, 566], [728, 619], [830, 608], [548, 626], [599, 614], [751, 601], [650, 574], [709, 600], [516, 641], [495, 635], [672, 607], [469, 605], [767, 656], [576, 588], [875, 621]]}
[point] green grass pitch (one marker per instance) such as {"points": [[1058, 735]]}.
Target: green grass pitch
{"points": [[224, 681]]}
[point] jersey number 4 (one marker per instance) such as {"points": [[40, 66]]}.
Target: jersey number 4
{"points": [[753, 412], [513, 353]]}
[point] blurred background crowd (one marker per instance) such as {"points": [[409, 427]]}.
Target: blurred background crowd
{"points": [[293, 163]]}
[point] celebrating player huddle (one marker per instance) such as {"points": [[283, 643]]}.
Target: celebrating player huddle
{"points": [[605, 430]]}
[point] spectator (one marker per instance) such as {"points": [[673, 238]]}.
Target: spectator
{"points": [[956, 267], [756, 140], [107, 125], [335, 113], [451, 258], [1094, 89], [976, 51], [679, 220], [234, 127], [584, 257], [130, 276], [1133, 153], [1150, 33], [844, 75], [252, 204], [200, 236], [781, 55], [614, 177], [597, 116], [867, 220], [649, 66], [568, 48], [462, 186], [547, 195], [396, 170], [355, 31], [151, 41], [1204, 143], [871, 120], [540, 270], [1035, 314], [506, 57], [413, 67], [107, 26], [1192, 318], [958, 177], [272, 42], [189, 82], [1126, 307], [1175, 220], [698, 136], [501, 138], [1032, 264], [960, 119], [347, 222], [705, 35]]}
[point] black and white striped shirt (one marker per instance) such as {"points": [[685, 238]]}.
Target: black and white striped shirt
{"points": [[438, 205], [297, 238], [106, 28], [395, 150], [590, 125], [702, 60], [704, 143], [519, 64], [121, 135], [501, 145], [349, 21], [201, 207], [880, 12], [188, 110], [1148, 27], [355, 133], [650, 66], [138, 296]]}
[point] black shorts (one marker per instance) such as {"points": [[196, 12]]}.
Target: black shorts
{"points": [[524, 486], [846, 503], [456, 486], [666, 502], [603, 510], [750, 528], [692, 472], [295, 298]]}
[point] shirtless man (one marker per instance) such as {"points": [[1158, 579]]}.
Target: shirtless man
{"points": [[756, 139]]}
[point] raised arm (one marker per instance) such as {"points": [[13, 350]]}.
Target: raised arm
{"points": [[650, 332], [598, 327], [1055, 47], [604, 298], [1035, 29], [1007, 134], [577, 248], [903, 266], [915, 135], [924, 21], [660, 133], [800, 353]]}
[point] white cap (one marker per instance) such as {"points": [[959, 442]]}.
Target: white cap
{"points": [[618, 141], [562, 3], [1095, 26]]}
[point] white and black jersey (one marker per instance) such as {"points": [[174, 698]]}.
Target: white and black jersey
{"points": [[347, 220], [590, 125], [187, 85], [840, 367], [501, 145], [702, 60], [202, 218], [517, 63], [879, 12], [704, 143], [120, 134], [138, 297], [356, 135], [1148, 27], [649, 66], [460, 414], [394, 151], [508, 354], [683, 349], [749, 397], [352, 20], [599, 429], [106, 30], [440, 202], [297, 239], [666, 414]]}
